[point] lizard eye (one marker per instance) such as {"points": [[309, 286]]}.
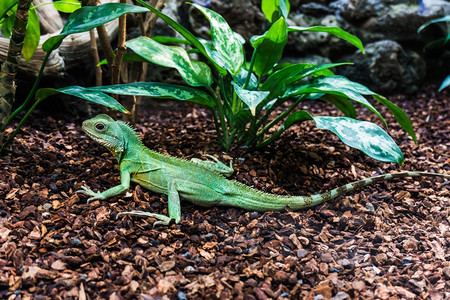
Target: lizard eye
{"points": [[99, 126]]}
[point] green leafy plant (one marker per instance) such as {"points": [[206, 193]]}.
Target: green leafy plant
{"points": [[81, 20], [245, 96], [8, 10], [438, 43]]}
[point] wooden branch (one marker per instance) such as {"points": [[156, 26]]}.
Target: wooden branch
{"points": [[121, 49], [96, 58], [10, 66], [151, 18]]}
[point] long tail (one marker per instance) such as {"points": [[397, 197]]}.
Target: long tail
{"points": [[255, 200]]}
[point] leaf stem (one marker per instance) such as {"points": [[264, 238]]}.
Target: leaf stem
{"points": [[33, 89], [221, 114], [250, 70], [280, 117]]}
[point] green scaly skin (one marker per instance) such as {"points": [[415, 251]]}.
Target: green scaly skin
{"points": [[201, 182]]}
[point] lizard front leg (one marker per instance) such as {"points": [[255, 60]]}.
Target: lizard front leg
{"points": [[124, 185], [174, 207], [194, 192]]}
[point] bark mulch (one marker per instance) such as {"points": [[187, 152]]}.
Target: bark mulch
{"points": [[387, 241]]}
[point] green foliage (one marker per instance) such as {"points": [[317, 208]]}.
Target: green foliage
{"points": [[242, 95], [193, 72], [90, 17], [438, 43], [67, 6], [83, 19], [7, 12], [269, 47], [7, 15], [275, 9]]}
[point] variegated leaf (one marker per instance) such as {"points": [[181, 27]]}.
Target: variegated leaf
{"points": [[365, 136], [269, 47], [83, 93], [158, 90], [224, 40], [251, 98], [194, 73], [89, 17]]}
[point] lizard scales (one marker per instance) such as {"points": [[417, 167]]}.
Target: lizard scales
{"points": [[200, 182]]}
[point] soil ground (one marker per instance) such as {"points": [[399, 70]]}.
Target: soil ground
{"points": [[387, 241]]}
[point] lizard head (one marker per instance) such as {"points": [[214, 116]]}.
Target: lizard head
{"points": [[107, 132]]}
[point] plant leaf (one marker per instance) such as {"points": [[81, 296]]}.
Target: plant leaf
{"points": [[251, 98], [213, 55], [7, 24], [342, 103], [7, 15], [6, 6], [242, 76], [443, 19], [193, 72], [224, 40], [276, 82], [335, 85], [67, 6], [275, 9], [184, 32], [336, 31], [365, 136], [83, 93], [127, 57], [89, 17], [158, 90], [33, 35], [269, 47], [398, 114], [445, 83], [170, 40]]}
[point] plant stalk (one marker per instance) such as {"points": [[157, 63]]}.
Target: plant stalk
{"points": [[121, 49], [11, 65], [221, 114], [95, 56], [279, 117], [33, 89], [250, 70]]}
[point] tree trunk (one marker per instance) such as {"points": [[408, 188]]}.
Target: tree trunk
{"points": [[11, 64]]}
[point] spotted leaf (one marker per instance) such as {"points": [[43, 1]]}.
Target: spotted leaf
{"points": [[89, 17], [157, 90], [365, 136], [83, 93], [251, 98], [224, 40], [193, 72]]}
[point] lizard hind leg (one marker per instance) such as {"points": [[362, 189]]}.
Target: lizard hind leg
{"points": [[196, 193]]}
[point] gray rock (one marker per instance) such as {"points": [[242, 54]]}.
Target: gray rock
{"points": [[243, 16], [386, 67]]}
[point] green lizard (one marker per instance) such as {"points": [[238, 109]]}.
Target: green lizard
{"points": [[201, 182]]}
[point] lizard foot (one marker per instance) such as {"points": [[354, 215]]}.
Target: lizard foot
{"points": [[163, 220], [93, 195]]}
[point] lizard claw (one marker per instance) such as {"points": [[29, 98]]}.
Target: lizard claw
{"points": [[163, 220], [88, 192]]}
